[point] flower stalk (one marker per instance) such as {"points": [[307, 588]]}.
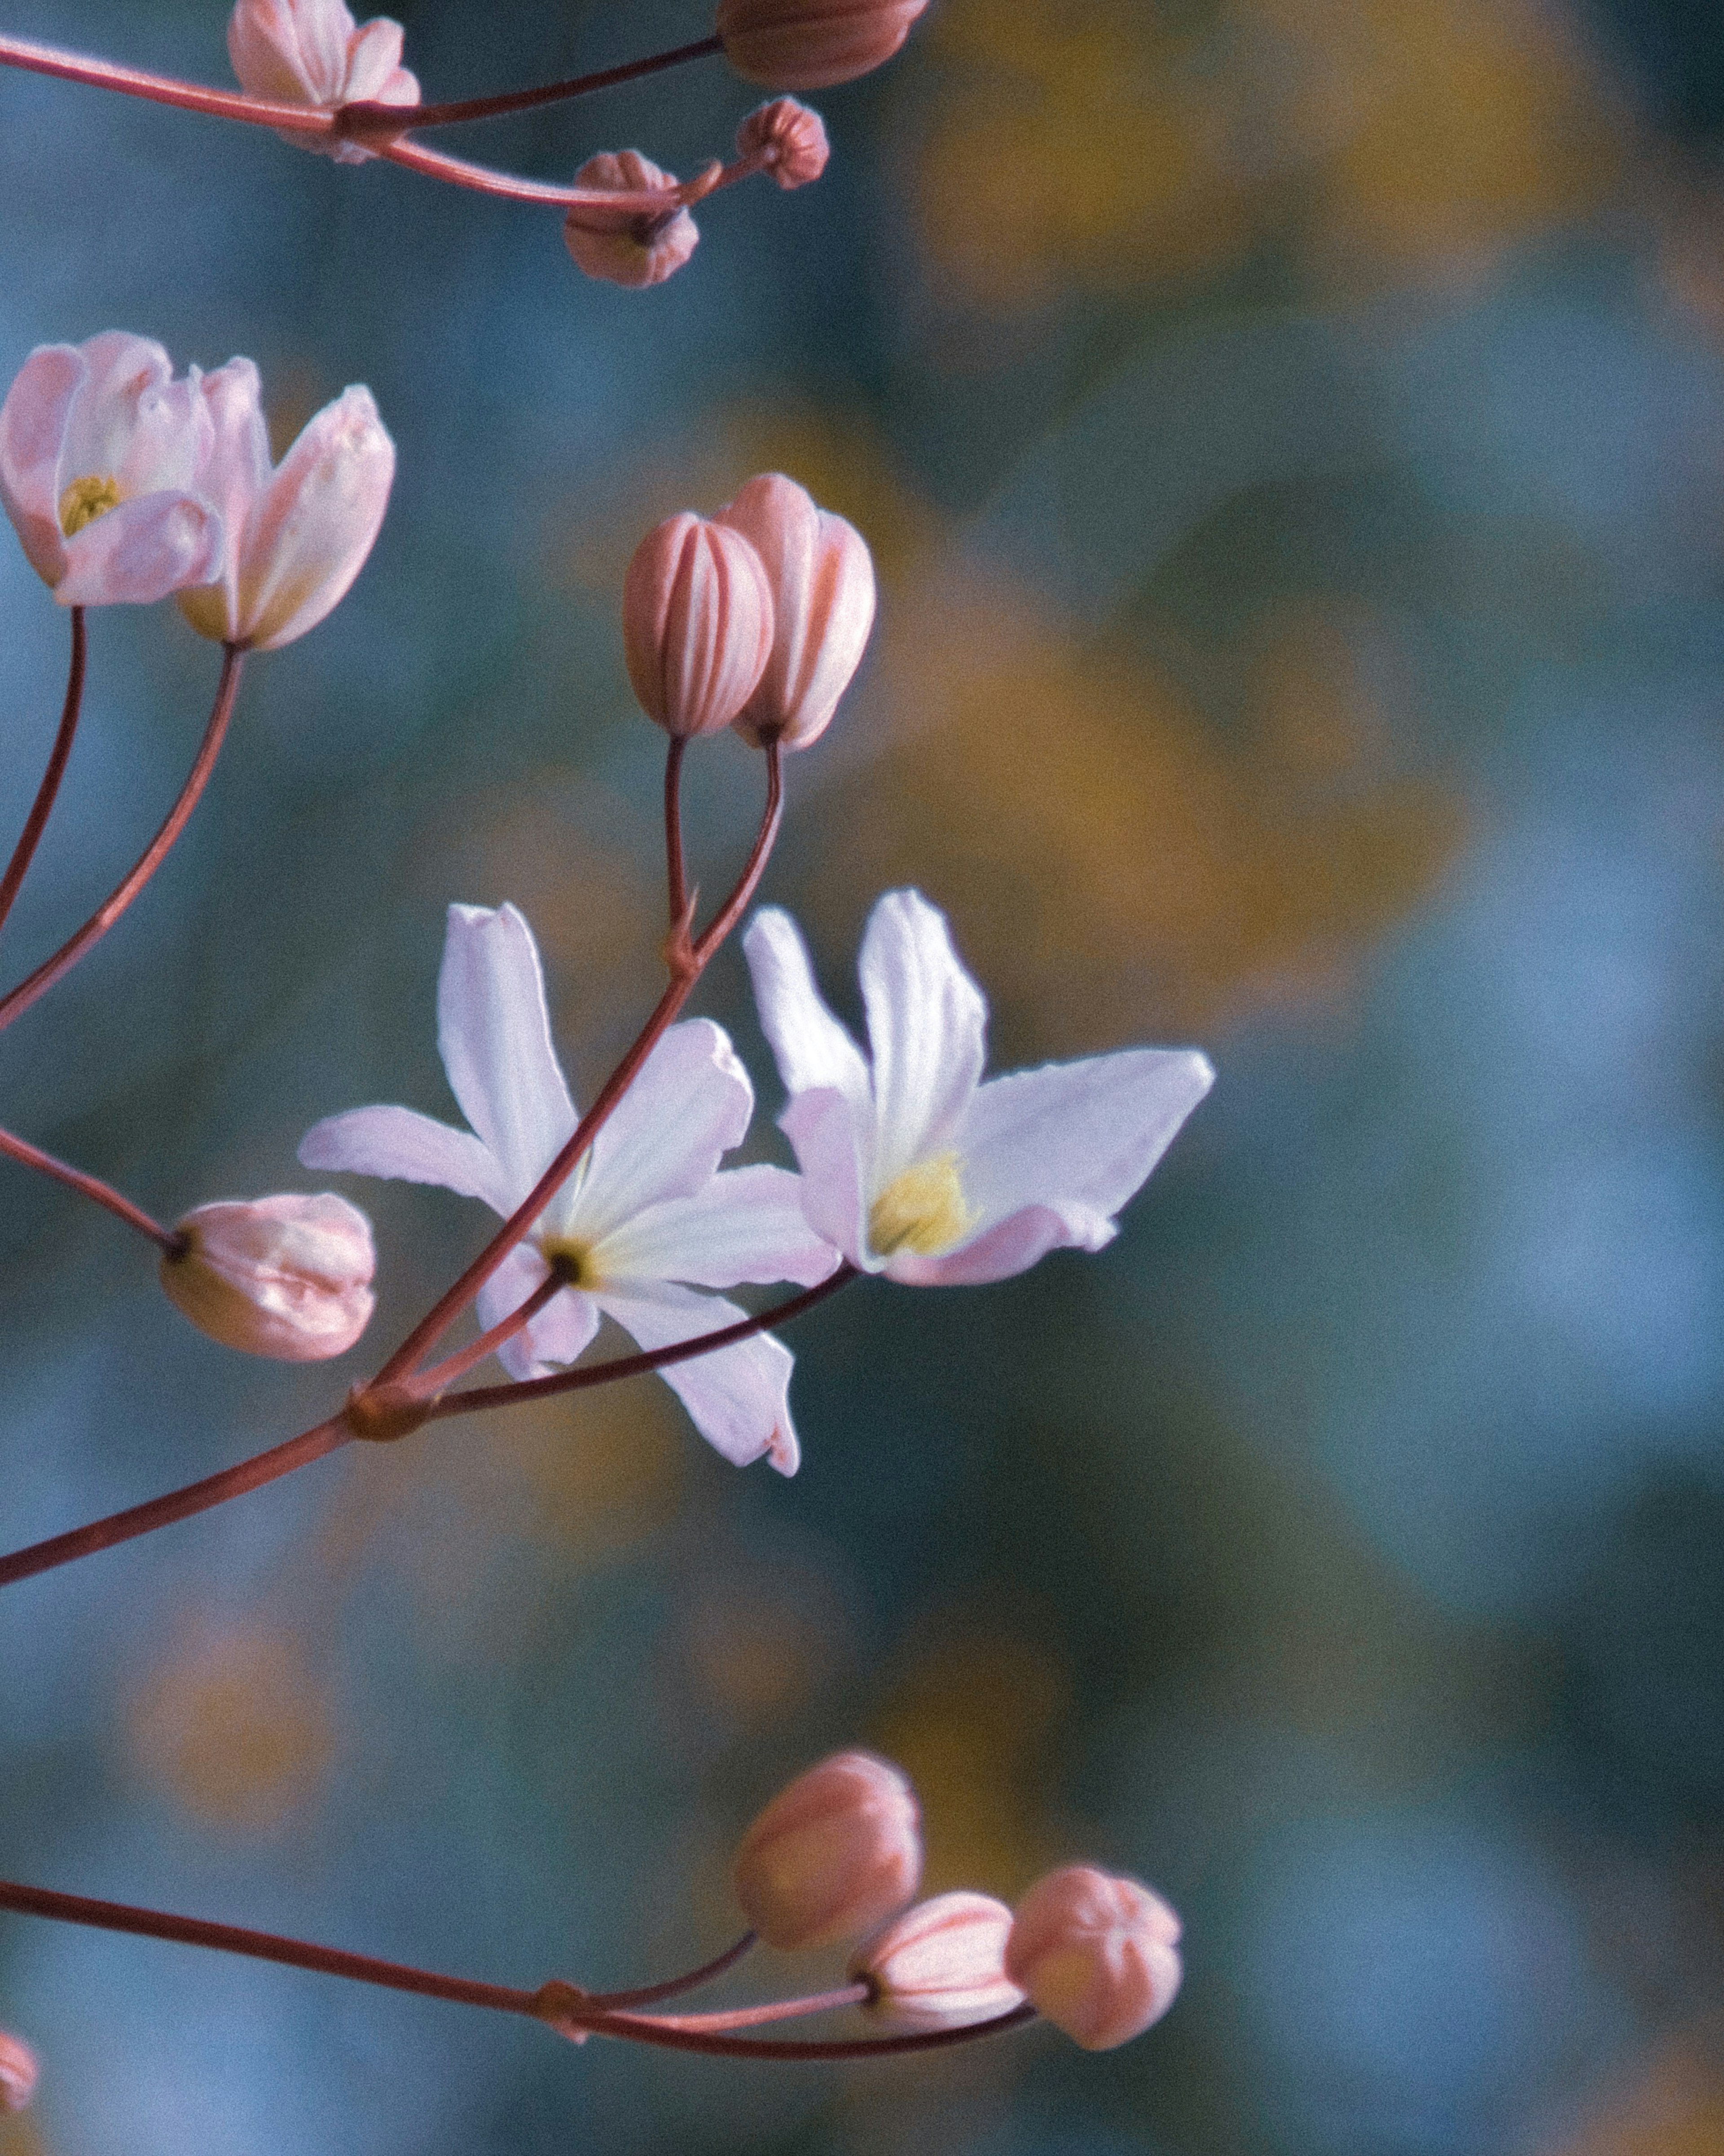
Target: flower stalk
{"points": [[41, 808]]}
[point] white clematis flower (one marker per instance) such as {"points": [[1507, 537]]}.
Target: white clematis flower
{"points": [[644, 1218], [912, 1166]]}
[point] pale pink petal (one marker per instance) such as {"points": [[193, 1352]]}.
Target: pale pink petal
{"points": [[746, 1224], [412, 1147], [559, 1333], [33, 425], [690, 1104], [926, 1025], [373, 55], [827, 1133], [296, 50], [120, 373], [737, 1397], [1017, 1242], [494, 1035], [141, 551], [316, 523], [235, 477], [808, 1045]]}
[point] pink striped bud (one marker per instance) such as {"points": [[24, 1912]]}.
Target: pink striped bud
{"points": [[809, 44], [833, 1855], [288, 1277], [627, 245], [942, 1965], [17, 2073], [1097, 1955], [697, 624], [789, 138], [821, 580]]}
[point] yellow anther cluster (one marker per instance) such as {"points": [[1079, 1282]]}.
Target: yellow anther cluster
{"points": [[922, 1210], [571, 1260], [84, 500]]}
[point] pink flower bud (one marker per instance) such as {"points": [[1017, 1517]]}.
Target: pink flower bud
{"points": [[833, 1855], [298, 536], [1097, 1955], [821, 580], [789, 137], [288, 1276], [808, 44], [942, 1965], [17, 2073], [697, 624], [311, 52], [625, 246]]}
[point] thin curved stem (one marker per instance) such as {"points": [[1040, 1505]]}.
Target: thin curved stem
{"points": [[38, 984], [42, 806], [675, 867], [648, 1994], [163, 89], [89, 1186], [508, 187], [474, 1352], [664, 2031], [478, 1397], [360, 122], [184, 1504]]}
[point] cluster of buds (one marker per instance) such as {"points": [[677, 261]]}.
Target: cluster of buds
{"points": [[837, 1856]]}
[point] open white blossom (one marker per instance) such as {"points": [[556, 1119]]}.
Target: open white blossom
{"points": [[646, 1216], [912, 1165]]}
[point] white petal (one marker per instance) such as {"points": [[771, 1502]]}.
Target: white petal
{"points": [[689, 1105], [1012, 1246], [746, 1224], [1081, 1134], [560, 1332], [495, 1034], [926, 1025], [737, 1397], [822, 1126], [416, 1148], [810, 1046]]}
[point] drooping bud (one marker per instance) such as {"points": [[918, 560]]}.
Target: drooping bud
{"points": [[809, 44], [627, 245], [822, 579], [17, 2073], [697, 624], [311, 52], [942, 1965], [832, 1856], [789, 138], [288, 1277], [298, 536], [1097, 1955]]}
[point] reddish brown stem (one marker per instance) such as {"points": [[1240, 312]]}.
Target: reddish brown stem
{"points": [[478, 1397], [178, 1504], [42, 806], [109, 912], [468, 1358], [442, 1314], [648, 1994], [363, 122], [89, 1186], [676, 869], [163, 89], [486, 180]]}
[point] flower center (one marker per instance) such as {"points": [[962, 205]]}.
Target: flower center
{"points": [[922, 1209], [572, 1260], [85, 500]]}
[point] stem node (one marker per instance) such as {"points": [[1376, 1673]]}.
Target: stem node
{"points": [[381, 1413]]}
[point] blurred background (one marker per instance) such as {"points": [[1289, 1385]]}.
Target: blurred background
{"points": [[1291, 432]]}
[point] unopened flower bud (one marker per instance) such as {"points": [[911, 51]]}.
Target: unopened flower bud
{"points": [[17, 2073], [287, 1277], [626, 245], [697, 624], [311, 52], [833, 1855], [789, 138], [822, 579], [808, 44], [942, 1965], [1097, 1955]]}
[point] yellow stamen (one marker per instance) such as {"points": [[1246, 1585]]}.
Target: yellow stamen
{"points": [[573, 1260], [85, 500], [922, 1210]]}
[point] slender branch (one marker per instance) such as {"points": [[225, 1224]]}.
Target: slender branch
{"points": [[486, 180], [648, 1994], [730, 2019], [469, 1357], [42, 806], [163, 89], [109, 912], [178, 1504], [676, 868], [435, 1323], [478, 1397], [90, 1186], [664, 2031], [360, 122]]}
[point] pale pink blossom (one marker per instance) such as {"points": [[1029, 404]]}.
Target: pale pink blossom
{"points": [[822, 579], [311, 52], [287, 1277], [17, 2073], [790, 139], [299, 534], [807, 44], [102, 460], [644, 1218], [914, 1167], [942, 1965], [833, 1855], [1097, 1955], [697, 624], [626, 245]]}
